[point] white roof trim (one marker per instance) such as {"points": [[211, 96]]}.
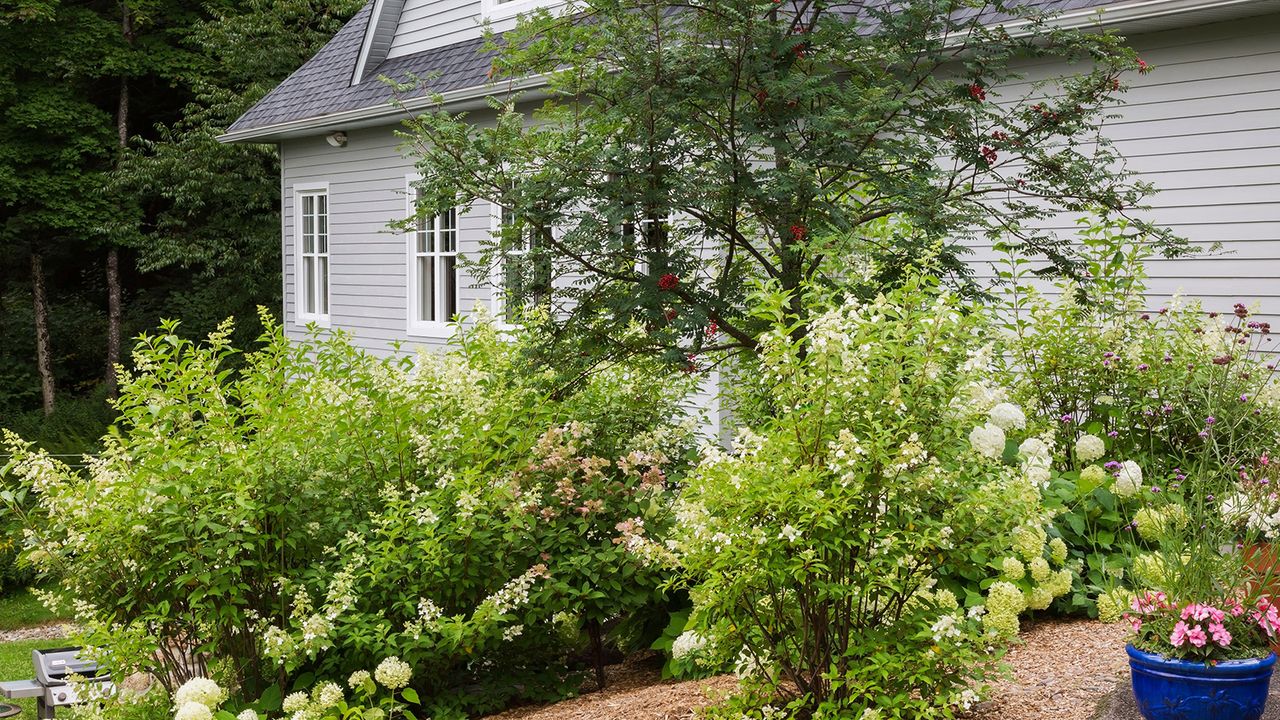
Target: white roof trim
{"points": [[370, 30]]}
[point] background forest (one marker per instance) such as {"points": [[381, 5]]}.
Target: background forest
{"points": [[118, 207]]}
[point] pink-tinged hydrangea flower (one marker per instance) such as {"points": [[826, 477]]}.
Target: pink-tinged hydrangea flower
{"points": [[1178, 637], [1220, 634]]}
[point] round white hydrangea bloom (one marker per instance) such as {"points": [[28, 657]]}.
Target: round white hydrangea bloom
{"points": [[1058, 550], [247, 715], [393, 673], [193, 711], [1007, 416], [200, 690], [688, 643], [295, 702], [1034, 448], [1029, 540], [358, 678], [1039, 598], [988, 440], [1039, 570], [1128, 479], [1038, 476], [326, 694], [1090, 448], [946, 599], [1011, 568]]}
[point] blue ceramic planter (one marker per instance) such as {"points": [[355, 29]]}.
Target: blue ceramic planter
{"points": [[1181, 690]]}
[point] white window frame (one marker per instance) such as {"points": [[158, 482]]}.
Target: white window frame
{"points": [[302, 287], [416, 325], [498, 275]]}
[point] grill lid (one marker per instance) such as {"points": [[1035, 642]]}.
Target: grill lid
{"points": [[54, 666]]}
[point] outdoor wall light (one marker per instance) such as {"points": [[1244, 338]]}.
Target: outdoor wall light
{"points": [[337, 139]]}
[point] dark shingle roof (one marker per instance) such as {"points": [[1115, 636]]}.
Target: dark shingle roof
{"points": [[323, 84]]}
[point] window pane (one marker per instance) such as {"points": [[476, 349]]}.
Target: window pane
{"points": [[322, 283], [307, 285], [322, 204], [429, 233], [421, 244], [426, 289], [308, 205], [450, 287], [322, 225], [449, 231], [513, 285], [308, 233]]}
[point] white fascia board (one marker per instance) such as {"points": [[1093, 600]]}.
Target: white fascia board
{"points": [[461, 99]]}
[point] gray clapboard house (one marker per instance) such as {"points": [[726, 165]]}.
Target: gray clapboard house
{"points": [[1204, 128]]}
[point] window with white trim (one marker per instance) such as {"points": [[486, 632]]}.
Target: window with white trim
{"points": [[644, 237], [524, 272], [313, 254], [433, 269]]}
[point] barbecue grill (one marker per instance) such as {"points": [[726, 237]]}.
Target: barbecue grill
{"points": [[52, 686]]}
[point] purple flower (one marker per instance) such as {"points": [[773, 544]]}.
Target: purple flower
{"points": [[1155, 488], [1065, 419], [1244, 398], [1210, 420], [1143, 367], [1204, 434], [1113, 433]]}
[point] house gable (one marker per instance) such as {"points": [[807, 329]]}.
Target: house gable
{"points": [[380, 29]]}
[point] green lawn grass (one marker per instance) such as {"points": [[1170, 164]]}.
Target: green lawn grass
{"points": [[15, 664], [22, 609]]}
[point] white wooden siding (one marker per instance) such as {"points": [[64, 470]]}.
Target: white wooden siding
{"points": [[1204, 128], [368, 295]]}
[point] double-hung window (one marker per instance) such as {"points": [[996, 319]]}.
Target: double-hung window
{"points": [[433, 272], [313, 254], [524, 273]]}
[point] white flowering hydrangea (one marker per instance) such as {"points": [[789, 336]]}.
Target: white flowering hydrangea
{"points": [[393, 673], [200, 690], [193, 711], [1090, 448], [1007, 416], [295, 702], [326, 695], [1004, 602], [358, 679], [1113, 603], [249, 714], [1029, 540], [1011, 568], [1128, 479], [988, 440], [687, 644], [1040, 571], [1058, 550]]}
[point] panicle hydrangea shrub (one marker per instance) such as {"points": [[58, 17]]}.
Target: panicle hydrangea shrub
{"points": [[850, 549]]}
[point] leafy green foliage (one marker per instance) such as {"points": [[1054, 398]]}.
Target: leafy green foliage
{"points": [[310, 509], [688, 150], [846, 555], [1186, 394]]}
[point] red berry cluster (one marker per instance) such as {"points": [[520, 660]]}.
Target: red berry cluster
{"points": [[668, 282]]}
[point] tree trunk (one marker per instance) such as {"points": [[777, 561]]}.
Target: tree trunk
{"points": [[596, 634], [113, 320], [44, 360], [114, 311]]}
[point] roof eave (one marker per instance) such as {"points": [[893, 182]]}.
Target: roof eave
{"points": [[1141, 15], [461, 99]]}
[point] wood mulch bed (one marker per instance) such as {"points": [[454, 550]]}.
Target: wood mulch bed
{"points": [[633, 690], [1062, 669]]}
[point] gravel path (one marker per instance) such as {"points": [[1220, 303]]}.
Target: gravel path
{"points": [[51, 631]]}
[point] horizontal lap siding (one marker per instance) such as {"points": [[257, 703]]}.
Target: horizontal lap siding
{"points": [[368, 259], [1204, 128]]}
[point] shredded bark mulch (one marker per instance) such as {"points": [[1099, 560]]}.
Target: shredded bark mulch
{"points": [[633, 690], [1064, 669]]}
